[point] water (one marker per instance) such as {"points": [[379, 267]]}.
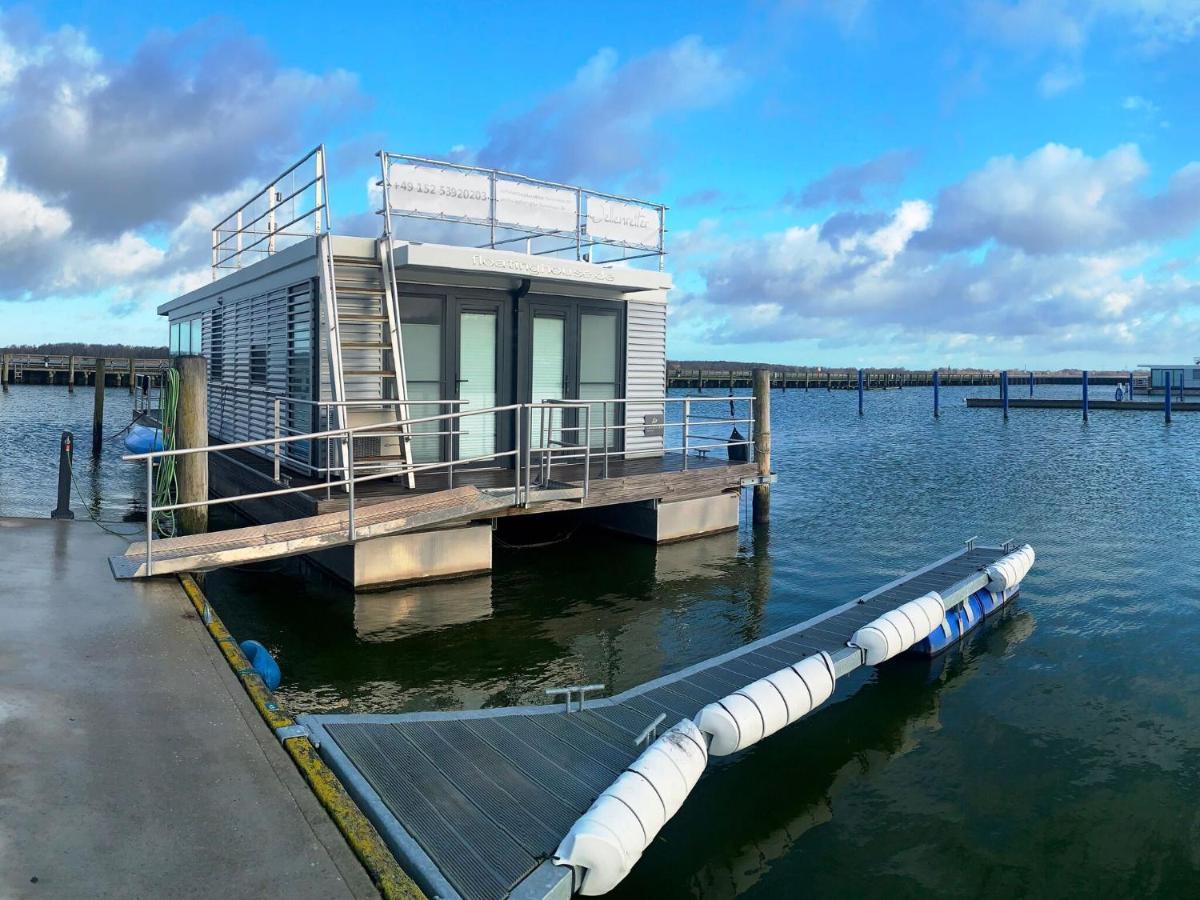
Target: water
{"points": [[32, 420], [1057, 754]]}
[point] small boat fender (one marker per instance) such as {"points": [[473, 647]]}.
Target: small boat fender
{"points": [[607, 840], [1008, 570], [262, 662], [763, 707], [897, 630]]}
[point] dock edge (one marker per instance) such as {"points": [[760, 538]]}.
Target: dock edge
{"points": [[391, 880]]}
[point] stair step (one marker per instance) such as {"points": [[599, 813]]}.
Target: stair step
{"points": [[377, 372], [361, 317], [365, 345]]}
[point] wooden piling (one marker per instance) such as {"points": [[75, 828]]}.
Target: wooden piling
{"points": [[132, 373], [4, 371], [762, 444], [71, 374], [98, 409], [191, 430]]}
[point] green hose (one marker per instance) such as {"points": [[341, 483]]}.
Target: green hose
{"points": [[166, 487]]}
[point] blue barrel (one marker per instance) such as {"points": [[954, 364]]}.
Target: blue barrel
{"points": [[961, 621], [140, 439], [262, 662]]}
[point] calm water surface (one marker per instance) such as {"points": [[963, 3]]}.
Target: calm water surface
{"points": [[1057, 754]]}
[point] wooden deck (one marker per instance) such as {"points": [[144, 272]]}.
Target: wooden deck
{"points": [[256, 543], [300, 523], [628, 481]]}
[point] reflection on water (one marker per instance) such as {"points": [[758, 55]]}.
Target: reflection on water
{"points": [[388, 615]]}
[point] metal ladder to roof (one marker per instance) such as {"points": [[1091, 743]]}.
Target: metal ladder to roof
{"points": [[365, 355]]}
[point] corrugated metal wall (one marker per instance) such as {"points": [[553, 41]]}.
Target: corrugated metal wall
{"points": [[645, 376]]}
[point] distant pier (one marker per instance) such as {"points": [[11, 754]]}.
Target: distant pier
{"points": [[1077, 403], [71, 370], [817, 378]]}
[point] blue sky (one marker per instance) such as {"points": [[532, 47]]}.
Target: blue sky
{"points": [[975, 183]]}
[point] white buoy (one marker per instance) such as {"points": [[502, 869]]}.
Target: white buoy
{"points": [[612, 835], [898, 629], [762, 707]]}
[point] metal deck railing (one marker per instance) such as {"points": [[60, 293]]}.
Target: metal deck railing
{"points": [[563, 435]]}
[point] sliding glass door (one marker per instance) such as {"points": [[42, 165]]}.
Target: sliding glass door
{"points": [[574, 350], [477, 381]]}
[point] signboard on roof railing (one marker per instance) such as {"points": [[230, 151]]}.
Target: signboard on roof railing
{"points": [[430, 191], [538, 207], [623, 223], [507, 203]]}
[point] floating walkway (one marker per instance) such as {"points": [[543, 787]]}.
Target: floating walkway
{"points": [[1061, 403], [476, 804]]}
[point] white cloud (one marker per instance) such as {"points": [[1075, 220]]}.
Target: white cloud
{"points": [[1058, 243], [606, 122], [1058, 199], [1060, 80], [112, 172]]}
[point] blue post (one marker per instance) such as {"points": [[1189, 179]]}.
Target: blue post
{"points": [[860, 392], [1004, 393], [1085, 397], [1031, 384], [1130, 385], [937, 381], [1167, 396], [1180, 387]]}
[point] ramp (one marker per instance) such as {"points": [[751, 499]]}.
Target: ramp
{"points": [[473, 803], [256, 543]]}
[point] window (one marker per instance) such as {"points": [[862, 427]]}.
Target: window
{"points": [[187, 336]]}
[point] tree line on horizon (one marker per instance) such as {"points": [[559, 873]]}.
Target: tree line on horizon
{"points": [[79, 348]]}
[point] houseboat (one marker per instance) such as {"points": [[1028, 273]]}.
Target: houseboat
{"points": [[522, 352], [1185, 377]]}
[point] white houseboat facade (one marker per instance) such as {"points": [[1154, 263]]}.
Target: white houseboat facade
{"points": [[532, 360]]}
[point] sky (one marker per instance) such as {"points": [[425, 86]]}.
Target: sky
{"points": [[999, 183]]}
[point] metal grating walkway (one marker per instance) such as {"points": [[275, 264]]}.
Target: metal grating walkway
{"points": [[472, 802]]}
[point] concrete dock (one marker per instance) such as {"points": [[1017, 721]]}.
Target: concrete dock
{"points": [[134, 764]]}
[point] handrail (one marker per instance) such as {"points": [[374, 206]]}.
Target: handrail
{"points": [[558, 441], [349, 478]]}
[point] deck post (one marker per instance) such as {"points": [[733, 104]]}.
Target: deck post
{"points": [[1004, 393], [98, 409], [1131, 385], [1030, 382], [4, 372], [1167, 397], [71, 374], [132, 373], [1085, 394], [937, 381], [860, 392], [63, 509], [191, 431], [762, 444]]}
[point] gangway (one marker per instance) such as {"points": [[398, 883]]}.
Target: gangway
{"points": [[258, 543]]}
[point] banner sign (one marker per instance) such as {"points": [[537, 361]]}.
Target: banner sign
{"points": [[623, 223], [539, 208], [491, 198], [439, 192]]}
